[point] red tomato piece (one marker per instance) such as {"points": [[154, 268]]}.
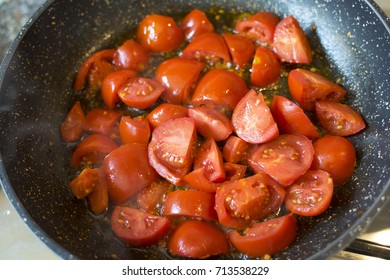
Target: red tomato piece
{"points": [[290, 42], [84, 183], [150, 197], [265, 67], [259, 27], [339, 119], [234, 171], [210, 122], [285, 158], [127, 171], [266, 238], [235, 149], [165, 112], [311, 194], [197, 239], [98, 73], [252, 119], [241, 49], [308, 87], [197, 180], [140, 92], [335, 155], [291, 119], [179, 76], [135, 130], [98, 198], [196, 23], [207, 47], [137, 228], [71, 128], [131, 56], [101, 121], [158, 33]]}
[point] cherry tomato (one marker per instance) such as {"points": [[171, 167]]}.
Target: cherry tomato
{"points": [[339, 119], [197, 239], [252, 119], [172, 149], [235, 149], [158, 33], [84, 183], [135, 130], [265, 67], [266, 238], [196, 23], [285, 158], [132, 56], [308, 87], [335, 155], [127, 171], [241, 49], [101, 121], [98, 199], [71, 128], [197, 180], [219, 88], [290, 42], [179, 76], [207, 47], [111, 85], [140, 92], [291, 119], [311, 194], [259, 27], [165, 112], [150, 197], [137, 228], [210, 122]]}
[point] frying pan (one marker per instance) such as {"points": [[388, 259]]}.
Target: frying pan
{"points": [[352, 38]]}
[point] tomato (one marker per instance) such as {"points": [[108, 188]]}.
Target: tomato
{"points": [[97, 74], [241, 49], [290, 42], [265, 67], [84, 183], [252, 119], [291, 119], [101, 121], [165, 112], [209, 157], [127, 171], [172, 149], [140, 92], [259, 27], [179, 76], [234, 171], [131, 55], [335, 155], [111, 85], [90, 63], [235, 149], [137, 228], [196, 23], [92, 150], [339, 119], [197, 239], [190, 203], [308, 87], [285, 158], [197, 180], [207, 47], [150, 197], [219, 88], [71, 128], [210, 122], [158, 33], [98, 198], [266, 238], [311, 194], [135, 130]]}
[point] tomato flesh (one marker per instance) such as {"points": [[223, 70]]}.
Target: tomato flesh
{"points": [[84, 183], [101, 121], [72, 127], [241, 49], [165, 112], [265, 67], [135, 130]]}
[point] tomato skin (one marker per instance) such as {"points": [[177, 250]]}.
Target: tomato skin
{"points": [[72, 127], [291, 119], [335, 155], [150, 197], [127, 171], [101, 121], [135, 130], [131, 55], [197, 239], [241, 49], [98, 199], [84, 183], [158, 33], [266, 238], [339, 119], [137, 228], [252, 119], [165, 112], [265, 67], [307, 87], [179, 76], [311, 194], [235, 149], [196, 23]]}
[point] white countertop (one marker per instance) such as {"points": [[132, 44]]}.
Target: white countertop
{"points": [[17, 241]]}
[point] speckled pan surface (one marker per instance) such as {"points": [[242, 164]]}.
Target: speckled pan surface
{"points": [[35, 94]]}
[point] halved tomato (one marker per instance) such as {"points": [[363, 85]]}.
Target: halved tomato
{"points": [[265, 67], [196, 23], [135, 130], [241, 49], [131, 55], [85, 182], [235, 149], [165, 112], [101, 121], [72, 127]]}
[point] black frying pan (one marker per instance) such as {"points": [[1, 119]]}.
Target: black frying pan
{"points": [[36, 78]]}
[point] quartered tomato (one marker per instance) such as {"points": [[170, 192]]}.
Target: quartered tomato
{"points": [[101, 121], [196, 23], [235, 149], [137, 228], [241, 49], [85, 182], [265, 67], [72, 127], [165, 112], [131, 55], [311, 194], [150, 198], [135, 130], [98, 199]]}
